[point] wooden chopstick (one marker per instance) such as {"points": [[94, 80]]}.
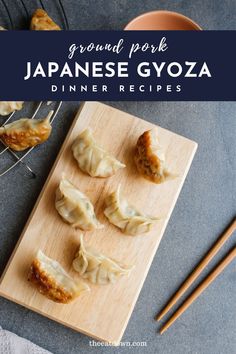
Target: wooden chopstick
{"points": [[206, 282], [186, 284]]}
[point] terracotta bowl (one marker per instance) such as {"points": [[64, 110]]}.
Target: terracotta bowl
{"points": [[162, 20]]}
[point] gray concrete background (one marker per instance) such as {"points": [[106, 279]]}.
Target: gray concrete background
{"points": [[205, 206]]}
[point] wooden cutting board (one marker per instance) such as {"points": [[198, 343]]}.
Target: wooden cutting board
{"points": [[104, 312]]}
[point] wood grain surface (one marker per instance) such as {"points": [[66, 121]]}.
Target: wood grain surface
{"points": [[104, 312]]}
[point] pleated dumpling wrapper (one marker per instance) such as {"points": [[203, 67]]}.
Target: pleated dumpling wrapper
{"points": [[25, 133], [7, 107], [53, 281], [92, 158], [150, 158], [123, 215], [74, 207], [96, 267], [42, 22]]}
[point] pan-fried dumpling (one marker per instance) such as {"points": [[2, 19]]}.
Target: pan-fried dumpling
{"points": [[150, 158], [93, 159], [42, 22], [121, 214], [7, 107], [26, 132], [75, 207], [52, 280], [96, 267]]}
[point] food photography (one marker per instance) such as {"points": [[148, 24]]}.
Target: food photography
{"points": [[117, 177]]}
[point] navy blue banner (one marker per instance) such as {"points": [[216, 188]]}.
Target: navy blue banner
{"points": [[118, 65]]}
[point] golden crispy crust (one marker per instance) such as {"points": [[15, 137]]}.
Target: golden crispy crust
{"points": [[47, 286], [148, 163], [42, 22], [20, 140]]}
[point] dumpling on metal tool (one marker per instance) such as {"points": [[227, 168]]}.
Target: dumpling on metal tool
{"points": [[42, 22], [25, 133], [7, 107]]}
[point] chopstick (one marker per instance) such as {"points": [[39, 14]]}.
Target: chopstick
{"points": [[201, 266], [196, 293]]}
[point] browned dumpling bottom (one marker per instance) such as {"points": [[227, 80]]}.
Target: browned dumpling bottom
{"points": [[25, 133], [52, 281], [147, 162], [42, 22], [47, 285]]}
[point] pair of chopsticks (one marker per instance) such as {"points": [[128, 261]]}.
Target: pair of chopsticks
{"points": [[205, 283]]}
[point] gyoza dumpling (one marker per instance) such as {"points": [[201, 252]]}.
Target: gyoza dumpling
{"points": [[150, 158], [26, 132], [93, 159], [7, 107], [42, 22], [96, 267], [52, 280], [74, 207], [121, 214]]}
